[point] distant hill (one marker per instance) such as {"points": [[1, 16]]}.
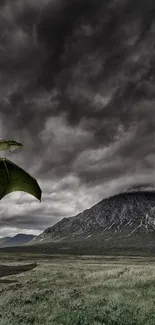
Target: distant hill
{"points": [[122, 222], [3, 241], [18, 240]]}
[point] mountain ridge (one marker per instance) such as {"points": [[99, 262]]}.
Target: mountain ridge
{"points": [[17, 240], [3, 240], [122, 217]]}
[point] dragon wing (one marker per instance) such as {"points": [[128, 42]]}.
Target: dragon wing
{"points": [[14, 178]]}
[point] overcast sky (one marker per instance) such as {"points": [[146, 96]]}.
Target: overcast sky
{"points": [[77, 88]]}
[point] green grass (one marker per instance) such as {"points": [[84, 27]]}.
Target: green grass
{"points": [[81, 291]]}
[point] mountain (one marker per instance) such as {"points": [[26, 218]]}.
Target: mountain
{"points": [[123, 222], [3, 241], [17, 240]]}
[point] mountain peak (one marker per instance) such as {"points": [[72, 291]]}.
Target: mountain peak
{"points": [[18, 240], [122, 216]]}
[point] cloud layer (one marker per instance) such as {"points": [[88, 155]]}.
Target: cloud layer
{"points": [[77, 88]]}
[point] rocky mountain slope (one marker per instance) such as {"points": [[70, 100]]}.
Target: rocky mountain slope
{"points": [[17, 240], [124, 220]]}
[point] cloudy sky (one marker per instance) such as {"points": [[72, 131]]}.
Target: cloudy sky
{"points": [[77, 88]]}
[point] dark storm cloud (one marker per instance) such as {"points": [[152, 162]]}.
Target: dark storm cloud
{"points": [[77, 88], [92, 45], [80, 47]]}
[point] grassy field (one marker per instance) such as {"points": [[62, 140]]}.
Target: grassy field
{"points": [[79, 291]]}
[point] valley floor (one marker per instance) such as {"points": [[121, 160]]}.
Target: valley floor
{"points": [[80, 291]]}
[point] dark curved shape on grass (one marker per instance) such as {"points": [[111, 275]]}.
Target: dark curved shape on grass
{"points": [[6, 270]]}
